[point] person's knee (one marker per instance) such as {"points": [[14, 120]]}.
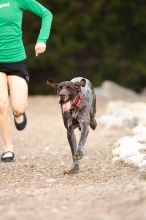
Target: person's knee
{"points": [[20, 107], [3, 106]]}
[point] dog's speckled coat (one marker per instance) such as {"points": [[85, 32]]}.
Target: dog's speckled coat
{"points": [[82, 116]]}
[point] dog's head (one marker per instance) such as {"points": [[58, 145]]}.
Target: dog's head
{"points": [[67, 90]]}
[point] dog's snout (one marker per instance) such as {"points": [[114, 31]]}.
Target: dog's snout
{"points": [[62, 95]]}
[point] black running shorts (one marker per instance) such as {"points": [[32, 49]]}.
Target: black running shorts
{"points": [[16, 68]]}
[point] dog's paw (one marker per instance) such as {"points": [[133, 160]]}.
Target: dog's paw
{"points": [[78, 154], [73, 170], [93, 124]]}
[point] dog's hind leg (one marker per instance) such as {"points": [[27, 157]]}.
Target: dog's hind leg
{"points": [[93, 123], [83, 137]]}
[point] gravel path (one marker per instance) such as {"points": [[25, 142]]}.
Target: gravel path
{"points": [[34, 187]]}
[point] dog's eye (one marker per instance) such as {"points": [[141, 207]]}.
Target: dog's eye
{"points": [[68, 87], [60, 87]]}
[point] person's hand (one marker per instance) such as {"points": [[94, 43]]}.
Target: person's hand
{"points": [[40, 48]]}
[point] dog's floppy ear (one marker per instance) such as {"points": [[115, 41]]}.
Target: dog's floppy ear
{"points": [[83, 82], [52, 83]]}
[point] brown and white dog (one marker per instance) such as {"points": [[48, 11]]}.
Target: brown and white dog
{"points": [[78, 104]]}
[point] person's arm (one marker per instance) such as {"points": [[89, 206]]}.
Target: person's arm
{"points": [[36, 8]]}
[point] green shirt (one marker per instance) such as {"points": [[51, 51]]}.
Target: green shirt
{"points": [[11, 14]]}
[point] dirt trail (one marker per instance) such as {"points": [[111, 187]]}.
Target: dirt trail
{"points": [[34, 187]]}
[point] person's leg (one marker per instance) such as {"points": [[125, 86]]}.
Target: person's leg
{"points": [[18, 90], [5, 126]]}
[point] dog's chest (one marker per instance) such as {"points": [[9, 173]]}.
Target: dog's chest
{"points": [[70, 119]]}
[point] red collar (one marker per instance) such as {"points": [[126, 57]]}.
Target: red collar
{"points": [[71, 105]]}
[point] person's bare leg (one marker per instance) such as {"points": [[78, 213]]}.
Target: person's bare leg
{"points": [[5, 124], [18, 89]]}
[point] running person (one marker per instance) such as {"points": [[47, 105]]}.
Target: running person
{"points": [[14, 75]]}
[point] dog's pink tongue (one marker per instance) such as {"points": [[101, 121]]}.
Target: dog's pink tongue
{"points": [[66, 106]]}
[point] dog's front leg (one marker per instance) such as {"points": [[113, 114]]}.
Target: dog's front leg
{"points": [[73, 145]]}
